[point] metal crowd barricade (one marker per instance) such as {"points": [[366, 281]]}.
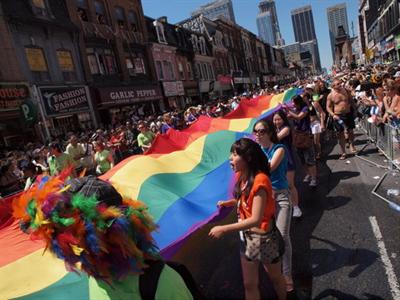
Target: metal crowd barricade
{"points": [[386, 138]]}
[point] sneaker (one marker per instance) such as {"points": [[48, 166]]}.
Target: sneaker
{"points": [[313, 182], [307, 178], [297, 212]]}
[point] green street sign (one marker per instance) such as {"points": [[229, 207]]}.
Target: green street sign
{"points": [[28, 111]]}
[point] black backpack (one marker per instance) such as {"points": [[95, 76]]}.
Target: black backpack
{"points": [[148, 281]]}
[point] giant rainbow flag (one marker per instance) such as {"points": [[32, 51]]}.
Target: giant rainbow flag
{"points": [[181, 178]]}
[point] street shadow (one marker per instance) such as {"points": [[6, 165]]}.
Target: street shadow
{"points": [[308, 262], [335, 294], [335, 257]]}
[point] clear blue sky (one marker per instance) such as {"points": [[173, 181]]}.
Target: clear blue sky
{"points": [[246, 12]]}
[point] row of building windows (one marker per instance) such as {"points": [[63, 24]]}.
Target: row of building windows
{"points": [[204, 71], [129, 22], [38, 64], [101, 61]]}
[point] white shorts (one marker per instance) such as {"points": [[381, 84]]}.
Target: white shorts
{"points": [[316, 127]]}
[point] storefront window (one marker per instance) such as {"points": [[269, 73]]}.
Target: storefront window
{"points": [[181, 71], [40, 8], [135, 64], [37, 63], [210, 72], [133, 21], [82, 10], [100, 12], [204, 75], [159, 68], [169, 70], [66, 64], [189, 70], [120, 17], [198, 71], [160, 32], [101, 61]]}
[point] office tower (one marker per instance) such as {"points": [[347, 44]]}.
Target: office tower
{"points": [[265, 28], [267, 23], [303, 24], [337, 16], [304, 30], [215, 9]]}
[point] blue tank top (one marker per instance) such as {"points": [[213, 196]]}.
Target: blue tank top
{"points": [[278, 176]]}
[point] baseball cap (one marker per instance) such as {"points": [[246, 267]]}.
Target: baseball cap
{"points": [[397, 75]]}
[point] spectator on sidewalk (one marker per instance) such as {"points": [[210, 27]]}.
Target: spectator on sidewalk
{"points": [[58, 160], [145, 137], [102, 158], [75, 151]]}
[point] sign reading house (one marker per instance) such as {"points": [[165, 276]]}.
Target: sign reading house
{"points": [[64, 100], [12, 95]]}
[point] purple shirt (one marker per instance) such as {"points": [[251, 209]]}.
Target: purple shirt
{"points": [[303, 124]]}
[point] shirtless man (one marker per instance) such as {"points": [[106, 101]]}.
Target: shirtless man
{"points": [[339, 106]]}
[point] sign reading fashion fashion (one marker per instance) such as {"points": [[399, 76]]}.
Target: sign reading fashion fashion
{"points": [[62, 100], [12, 95]]}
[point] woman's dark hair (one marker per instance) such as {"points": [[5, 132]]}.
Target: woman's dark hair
{"points": [[270, 129], [283, 116], [29, 166], [299, 102], [256, 160], [55, 145]]}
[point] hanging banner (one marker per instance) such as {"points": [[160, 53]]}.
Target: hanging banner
{"points": [[64, 100]]}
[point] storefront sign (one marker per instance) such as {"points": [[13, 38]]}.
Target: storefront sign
{"points": [[173, 88], [29, 112], [239, 80], [129, 95], [204, 86], [397, 41], [224, 80], [12, 95], [191, 88], [64, 100], [389, 46]]}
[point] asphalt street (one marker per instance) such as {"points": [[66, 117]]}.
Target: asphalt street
{"points": [[338, 252]]}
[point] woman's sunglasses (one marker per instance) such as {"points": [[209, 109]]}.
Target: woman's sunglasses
{"points": [[259, 131]]}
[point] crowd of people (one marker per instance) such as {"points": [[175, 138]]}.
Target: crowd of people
{"points": [[290, 141]]}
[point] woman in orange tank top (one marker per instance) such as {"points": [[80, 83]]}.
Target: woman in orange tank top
{"points": [[260, 240]]}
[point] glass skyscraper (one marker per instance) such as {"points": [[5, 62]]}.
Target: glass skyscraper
{"points": [[267, 23], [214, 10], [265, 28], [304, 30], [337, 16]]}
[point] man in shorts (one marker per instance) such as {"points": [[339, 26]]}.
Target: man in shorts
{"points": [[339, 105]]}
